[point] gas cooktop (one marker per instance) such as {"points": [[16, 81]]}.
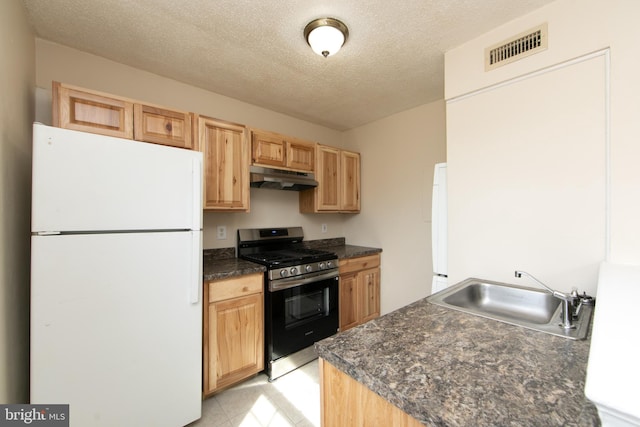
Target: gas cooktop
{"points": [[278, 247]]}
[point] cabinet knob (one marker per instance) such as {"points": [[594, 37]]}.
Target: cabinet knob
{"points": [[168, 127]]}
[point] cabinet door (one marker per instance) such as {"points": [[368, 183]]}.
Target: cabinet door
{"points": [[267, 149], [161, 126], [300, 155], [348, 301], [350, 188], [226, 165], [94, 112], [328, 176], [369, 289], [236, 348]]}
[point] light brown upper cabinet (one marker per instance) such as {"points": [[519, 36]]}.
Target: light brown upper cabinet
{"points": [[162, 126], [338, 175], [225, 150], [90, 111], [350, 187], [96, 112], [271, 149]]}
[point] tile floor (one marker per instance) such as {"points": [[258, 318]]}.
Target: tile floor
{"points": [[292, 400]]}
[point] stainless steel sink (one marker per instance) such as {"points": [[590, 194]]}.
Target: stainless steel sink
{"points": [[526, 307]]}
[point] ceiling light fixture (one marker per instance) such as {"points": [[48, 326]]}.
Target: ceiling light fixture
{"points": [[326, 35]]}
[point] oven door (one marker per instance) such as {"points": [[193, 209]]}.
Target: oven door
{"points": [[299, 316]]}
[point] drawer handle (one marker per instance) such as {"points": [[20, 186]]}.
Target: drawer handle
{"points": [[168, 127]]}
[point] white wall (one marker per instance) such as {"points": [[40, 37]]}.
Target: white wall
{"points": [[269, 208], [17, 79], [398, 157], [527, 177], [576, 28]]}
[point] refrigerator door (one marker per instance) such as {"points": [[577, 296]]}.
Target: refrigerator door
{"points": [[439, 227], [86, 182], [613, 377], [439, 283], [114, 332]]}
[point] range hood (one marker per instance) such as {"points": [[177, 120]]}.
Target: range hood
{"points": [[279, 179]]}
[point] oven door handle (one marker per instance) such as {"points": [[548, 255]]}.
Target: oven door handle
{"points": [[278, 285]]}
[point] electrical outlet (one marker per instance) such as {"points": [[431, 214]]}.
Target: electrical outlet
{"points": [[222, 232], [324, 228]]}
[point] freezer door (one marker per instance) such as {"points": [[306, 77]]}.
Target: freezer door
{"points": [[87, 182], [114, 329]]}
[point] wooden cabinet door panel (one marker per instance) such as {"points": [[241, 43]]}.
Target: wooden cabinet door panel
{"points": [[346, 402], [92, 112], [369, 287], [350, 169], [161, 126], [348, 301], [267, 149], [235, 340], [226, 165], [300, 155], [328, 176]]}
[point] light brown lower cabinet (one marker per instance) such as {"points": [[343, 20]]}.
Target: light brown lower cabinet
{"points": [[359, 296], [233, 341], [346, 402]]}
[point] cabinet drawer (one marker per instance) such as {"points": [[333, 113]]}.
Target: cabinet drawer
{"points": [[221, 290], [351, 265]]}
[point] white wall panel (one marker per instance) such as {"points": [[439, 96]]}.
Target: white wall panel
{"points": [[527, 177]]}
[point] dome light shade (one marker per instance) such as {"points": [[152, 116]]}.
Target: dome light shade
{"points": [[326, 36]]}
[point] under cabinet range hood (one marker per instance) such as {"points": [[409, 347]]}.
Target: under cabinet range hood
{"points": [[279, 179]]}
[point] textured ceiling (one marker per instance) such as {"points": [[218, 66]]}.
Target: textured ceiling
{"points": [[254, 50]]}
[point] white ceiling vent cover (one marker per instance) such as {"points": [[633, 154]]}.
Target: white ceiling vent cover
{"points": [[518, 47]]}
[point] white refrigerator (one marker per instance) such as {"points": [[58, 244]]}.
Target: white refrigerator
{"points": [[439, 228], [116, 279]]}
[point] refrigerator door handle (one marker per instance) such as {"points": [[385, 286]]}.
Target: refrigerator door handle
{"points": [[197, 194], [196, 268]]}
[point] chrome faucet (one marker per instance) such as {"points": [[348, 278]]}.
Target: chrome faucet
{"points": [[569, 311]]}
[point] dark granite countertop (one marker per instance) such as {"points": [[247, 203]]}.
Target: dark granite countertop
{"points": [[447, 368], [341, 249], [222, 263], [351, 251]]}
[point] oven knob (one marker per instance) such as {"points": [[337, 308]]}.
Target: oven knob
{"points": [[321, 266], [294, 271], [284, 273], [308, 268], [329, 264]]}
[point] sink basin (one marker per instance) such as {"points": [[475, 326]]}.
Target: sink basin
{"points": [[530, 308]]}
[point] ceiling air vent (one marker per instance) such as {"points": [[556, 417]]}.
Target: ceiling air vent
{"points": [[517, 47]]}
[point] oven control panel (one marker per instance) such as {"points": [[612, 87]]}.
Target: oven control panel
{"points": [[302, 269]]}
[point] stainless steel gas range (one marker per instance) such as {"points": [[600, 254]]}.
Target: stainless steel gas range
{"points": [[301, 294]]}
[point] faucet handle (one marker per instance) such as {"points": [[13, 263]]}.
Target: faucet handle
{"points": [[587, 299]]}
